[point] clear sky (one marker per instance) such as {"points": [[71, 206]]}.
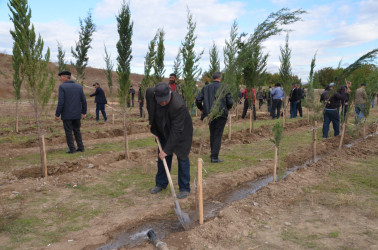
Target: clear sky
{"points": [[336, 30]]}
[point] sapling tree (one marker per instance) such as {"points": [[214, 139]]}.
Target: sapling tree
{"points": [[87, 28], [39, 81], [108, 71], [159, 57], [149, 64], [125, 31], [61, 60], [286, 74], [18, 77], [191, 68], [277, 133], [214, 61]]}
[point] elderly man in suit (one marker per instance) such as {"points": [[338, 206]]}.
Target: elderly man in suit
{"points": [[72, 106], [169, 120]]}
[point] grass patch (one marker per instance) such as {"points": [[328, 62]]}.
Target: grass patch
{"points": [[301, 239]]}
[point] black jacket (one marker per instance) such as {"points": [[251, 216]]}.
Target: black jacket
{"points": [[71, 101], [331, 99], [100, 96], [294, 95], [206, 98], [177, 124]]}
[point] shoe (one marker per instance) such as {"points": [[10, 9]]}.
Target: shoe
{"points": [[182, 194], [216, 160], [156, 190], [70, 151], [80, 150]]}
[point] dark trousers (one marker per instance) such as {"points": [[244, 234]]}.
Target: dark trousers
{"points": [[261, 102], [331, 115], [245, 108], [73, 126], [276, 108], [100, 107], [183, 170], [141, 109], [293, 109], [269, 105], [299, 108], [216, 131]]}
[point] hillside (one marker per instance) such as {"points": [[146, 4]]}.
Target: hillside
{"points": [[92, 75]]}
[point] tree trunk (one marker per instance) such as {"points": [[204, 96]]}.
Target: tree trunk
{"points": [[39, 134], [250, 121], [284, 117], [314, 141], [308, 114], [127, 156], [16, 116], [275, 162], [229, 126], [199, 186]]}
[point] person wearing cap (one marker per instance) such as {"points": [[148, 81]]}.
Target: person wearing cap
{"points": [[360, 102], [170, 122], [72, 107], [332, 101], [206, 101], [100, 101]]}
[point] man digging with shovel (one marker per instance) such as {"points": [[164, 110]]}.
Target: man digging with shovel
{"points": [[170, 122]]}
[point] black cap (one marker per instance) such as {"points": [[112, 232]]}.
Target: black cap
{"points": [[64, 73], [162, 91], [96, 83]]}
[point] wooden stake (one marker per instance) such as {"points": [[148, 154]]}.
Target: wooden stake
{"points": [[44, 170], [275, 163], [314, 141], [113, 118], [200, 197], [308, 115], [342, 134], [364, 131], [229, 126], [250, 121]]}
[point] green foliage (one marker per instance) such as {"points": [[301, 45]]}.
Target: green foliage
{"points": [[214, 61], [325, 76], [177, 67], [82, 46], [149, 64], [231, 70], [61, 62], [108, 71], [125, 31], [285, 68], [159, 58], [371, 89], [277, 132], [18, 77], [191, 69]]}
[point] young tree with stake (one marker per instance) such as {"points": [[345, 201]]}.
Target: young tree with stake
{"points": [[38, 80], [18, 78], [159, 58], [125, 31]]}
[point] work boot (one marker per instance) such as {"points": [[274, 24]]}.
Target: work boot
{"points": [[70, 151], [182, 194], [80, 149], [156, 190], [216, 160]]}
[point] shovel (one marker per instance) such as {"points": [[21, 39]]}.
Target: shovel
{"points": [[183, 217]]}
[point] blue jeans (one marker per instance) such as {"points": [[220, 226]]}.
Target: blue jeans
{"points": [[331, 115], [100, 107], [293, 109], [183, 170], [360, 110]]}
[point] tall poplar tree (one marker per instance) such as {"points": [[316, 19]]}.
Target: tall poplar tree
{"points": [[159, 57], [125, 31], [87, 28], [17, 77], [177, 67], [149, 64], [38, 80], [61, 61], [191, 69]]}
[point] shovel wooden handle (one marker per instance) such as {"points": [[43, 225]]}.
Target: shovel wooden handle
{"points": [[167, 170]]}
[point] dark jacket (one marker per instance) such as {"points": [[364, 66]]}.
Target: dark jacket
{"points": [[332, 100], [294, 95], [206, 98], [71, 101], [177, 124], [100, 96], [140, 95]]}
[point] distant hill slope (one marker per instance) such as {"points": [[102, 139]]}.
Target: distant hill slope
{"points": [[92, 75]]}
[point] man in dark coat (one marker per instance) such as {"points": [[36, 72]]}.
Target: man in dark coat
{"points": [[206, 101], [72, 106], [100, 101], [140, 99], [293, 101], [170, 121]]}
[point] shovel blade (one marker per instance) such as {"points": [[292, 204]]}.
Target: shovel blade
{"points": [[183, 217]]}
